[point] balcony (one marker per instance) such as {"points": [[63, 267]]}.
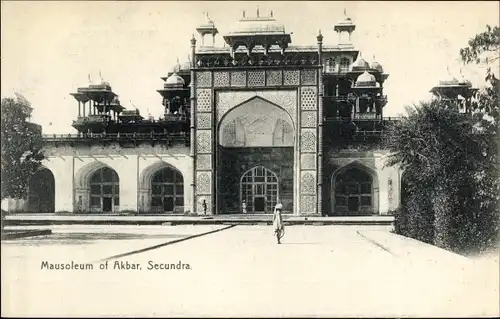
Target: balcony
{"points": [[117, 137]]}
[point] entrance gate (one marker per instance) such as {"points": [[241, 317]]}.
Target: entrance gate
{"points": [[259, 189]]}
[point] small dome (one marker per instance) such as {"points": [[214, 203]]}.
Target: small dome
{"points": [[208, 23], [359, 65], [346, 21], [174, 80], [374, 65], [366, 79]]}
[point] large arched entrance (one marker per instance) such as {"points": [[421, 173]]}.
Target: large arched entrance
{"points": [[167, 191], [41, 192], [104, 190], [259, 189], [255, 152], [354, 192]]}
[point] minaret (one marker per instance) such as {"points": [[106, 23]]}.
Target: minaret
{"points": [[345, 25], [207, 27]]}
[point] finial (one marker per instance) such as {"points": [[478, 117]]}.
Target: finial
{"points": [[100, 75], [90, 80], [257, 12], [193, 41], [345, 12], [271, 13], [243, 13]]}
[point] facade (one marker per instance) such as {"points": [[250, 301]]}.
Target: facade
{"points": [[256, 122]]}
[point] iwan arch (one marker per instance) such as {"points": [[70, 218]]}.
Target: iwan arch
{"points": [[258, 120]]}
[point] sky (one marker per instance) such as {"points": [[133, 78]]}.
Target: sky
{"points": [[48, 49]]}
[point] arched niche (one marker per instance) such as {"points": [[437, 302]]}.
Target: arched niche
{"points": [[355, 190], [41, 192], [256, 123]]}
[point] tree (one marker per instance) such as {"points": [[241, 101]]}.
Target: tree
{"points": [[450, 163], [21, 147]]}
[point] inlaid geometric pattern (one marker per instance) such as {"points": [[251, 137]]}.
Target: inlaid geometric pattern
{"points": [[308, 119], [204, 100], [204, 141], [204, 79], [274, 77], [307, 204], [291, 77], [199, 203], [287, 99], [204, 161], [308, 77], [204, 120], [256, 78], [308, 183], [308, 161], [203, 183], [308, 98], [238, 78], [221, 79], [308, 140]]}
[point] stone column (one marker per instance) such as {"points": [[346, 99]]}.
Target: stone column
{"points": [[320, 125], [192, 122]]}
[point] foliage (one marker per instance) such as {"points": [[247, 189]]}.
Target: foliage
{"points": [[451, 180], [21, 147]]}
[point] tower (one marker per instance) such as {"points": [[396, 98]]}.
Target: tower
{"points": [[345, 25], [208, 27]]}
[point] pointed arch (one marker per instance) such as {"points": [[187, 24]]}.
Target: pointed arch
{"points": [[259, 189], [255, 123], [355, 189], [97, 188], [41, 191], [161, 188]]}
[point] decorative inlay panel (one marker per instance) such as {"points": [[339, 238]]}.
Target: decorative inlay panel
{"points": [[203, 183], [291, 77], [308, 119], [199, 203], [204, 100], [308, 183], [204, 161], [256, 78], [221, 79], [307, 204], [308, 77], [204, 141], [204, 120], [308, 98], [308, 161], [229, 99], [238, 78], [203, 79], [308, 140], [274, 77]]}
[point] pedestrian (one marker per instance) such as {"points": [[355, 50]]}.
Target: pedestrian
{"points": [[244, 207], [279, 228], [204, 205]]}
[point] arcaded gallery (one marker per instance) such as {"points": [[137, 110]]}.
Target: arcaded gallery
{"points": [[247, 125]]}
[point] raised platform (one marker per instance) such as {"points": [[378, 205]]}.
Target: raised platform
{"points": [[54, 219]]}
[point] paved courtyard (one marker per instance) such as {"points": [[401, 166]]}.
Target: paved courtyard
{"points": [[240, 271]]}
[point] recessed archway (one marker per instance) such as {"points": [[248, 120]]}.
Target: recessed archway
{"points": [[259, 190], [355, 190], [41, 192]]}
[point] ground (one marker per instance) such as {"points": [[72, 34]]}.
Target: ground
{"points": [[241, 271]]}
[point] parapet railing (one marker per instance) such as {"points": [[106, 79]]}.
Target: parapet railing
{"points": [[362, 117], [116, 137]]}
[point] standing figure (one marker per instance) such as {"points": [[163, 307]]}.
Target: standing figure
{"points": [[244, 207], [204, 205], [279, 228]]}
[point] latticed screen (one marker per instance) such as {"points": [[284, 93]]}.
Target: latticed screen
{"points": [[167, 190], [104, 189], [353, 191], [259, 189]]}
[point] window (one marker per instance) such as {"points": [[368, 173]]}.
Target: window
{"points": [[353, 191], [104, 189], [259, 189], [167, 188], [344, 65]]}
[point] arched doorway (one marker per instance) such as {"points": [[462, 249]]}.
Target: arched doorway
{"points": [[167, 191], [104, 190], [41, 192], [259, 189], [353, 189]]}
